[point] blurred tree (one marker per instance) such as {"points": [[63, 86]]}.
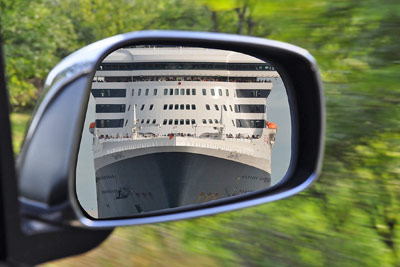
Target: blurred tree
{"points": [[36, 36], [351, 215]]}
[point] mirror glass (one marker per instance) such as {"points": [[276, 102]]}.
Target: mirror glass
{"points": [[171, 126]]}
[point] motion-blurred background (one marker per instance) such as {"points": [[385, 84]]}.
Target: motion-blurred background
{"points": [[350, 217]]}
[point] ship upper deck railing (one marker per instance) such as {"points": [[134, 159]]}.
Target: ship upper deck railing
{"points": [[237, 145], [106, 79], [249, 146]]}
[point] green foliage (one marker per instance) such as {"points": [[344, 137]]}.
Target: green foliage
{"points": [[349, 217], [19, 123], [36, 36]]}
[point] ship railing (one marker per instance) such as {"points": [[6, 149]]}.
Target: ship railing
{"points": [[231, 79], [233, 146], [230, 139]]}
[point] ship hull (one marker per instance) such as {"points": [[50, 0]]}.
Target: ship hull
{"points": [[165, 180]]}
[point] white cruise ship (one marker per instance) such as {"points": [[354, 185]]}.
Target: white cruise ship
{"points": [[178, 126]]}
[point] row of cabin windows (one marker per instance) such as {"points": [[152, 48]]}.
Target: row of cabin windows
{"points": [[240, 93], [217, 107], [188, 121], [150, 107], [171, 91], [179, 122], [146, 92], [178, 91], [185, 66], [240, 123], [148, 121], [210, 121], [241, 108], [179, 106], [213, 92], [120, 108], [182, 91]]}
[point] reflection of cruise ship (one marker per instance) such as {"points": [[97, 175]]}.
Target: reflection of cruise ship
{"points": [[178, 126]]}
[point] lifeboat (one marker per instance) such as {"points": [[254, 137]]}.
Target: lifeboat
{"points": [[91, 127]]}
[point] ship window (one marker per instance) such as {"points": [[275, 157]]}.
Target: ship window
{"points": [[249, 108], [165, 122], [176, 122], [250, 123], [182, 122], [216, 107], [227, 92], [176, 91], [215, 120], [165, 91], [193, 121], [176, 106], [171, 91], [170, 122], [210, 121], [170, 106], [147, 92], [187, 91], [233, 123], [182, 106], [187, 121], [242, 93], [212, 92], [110, 108], [142, 121], [109, 92], [193, 106], [151, 107], [117, 123], [140, 92], [155, 92], [193, 91], [142, 107], [148, 121], [182, 91], [230, 106], [133, 91], [204, 121], [225, 108], [207, 106], [187, 106], [165, 106], [154, 121], [220, 92], [204, 91]]}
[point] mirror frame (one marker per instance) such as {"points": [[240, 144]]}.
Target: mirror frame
{"points": [[299, 73]]}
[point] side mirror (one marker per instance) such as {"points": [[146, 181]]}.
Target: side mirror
{"points": [[156, 126]]}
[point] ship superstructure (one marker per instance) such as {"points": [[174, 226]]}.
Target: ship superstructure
{"points": [[178, 126]]}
